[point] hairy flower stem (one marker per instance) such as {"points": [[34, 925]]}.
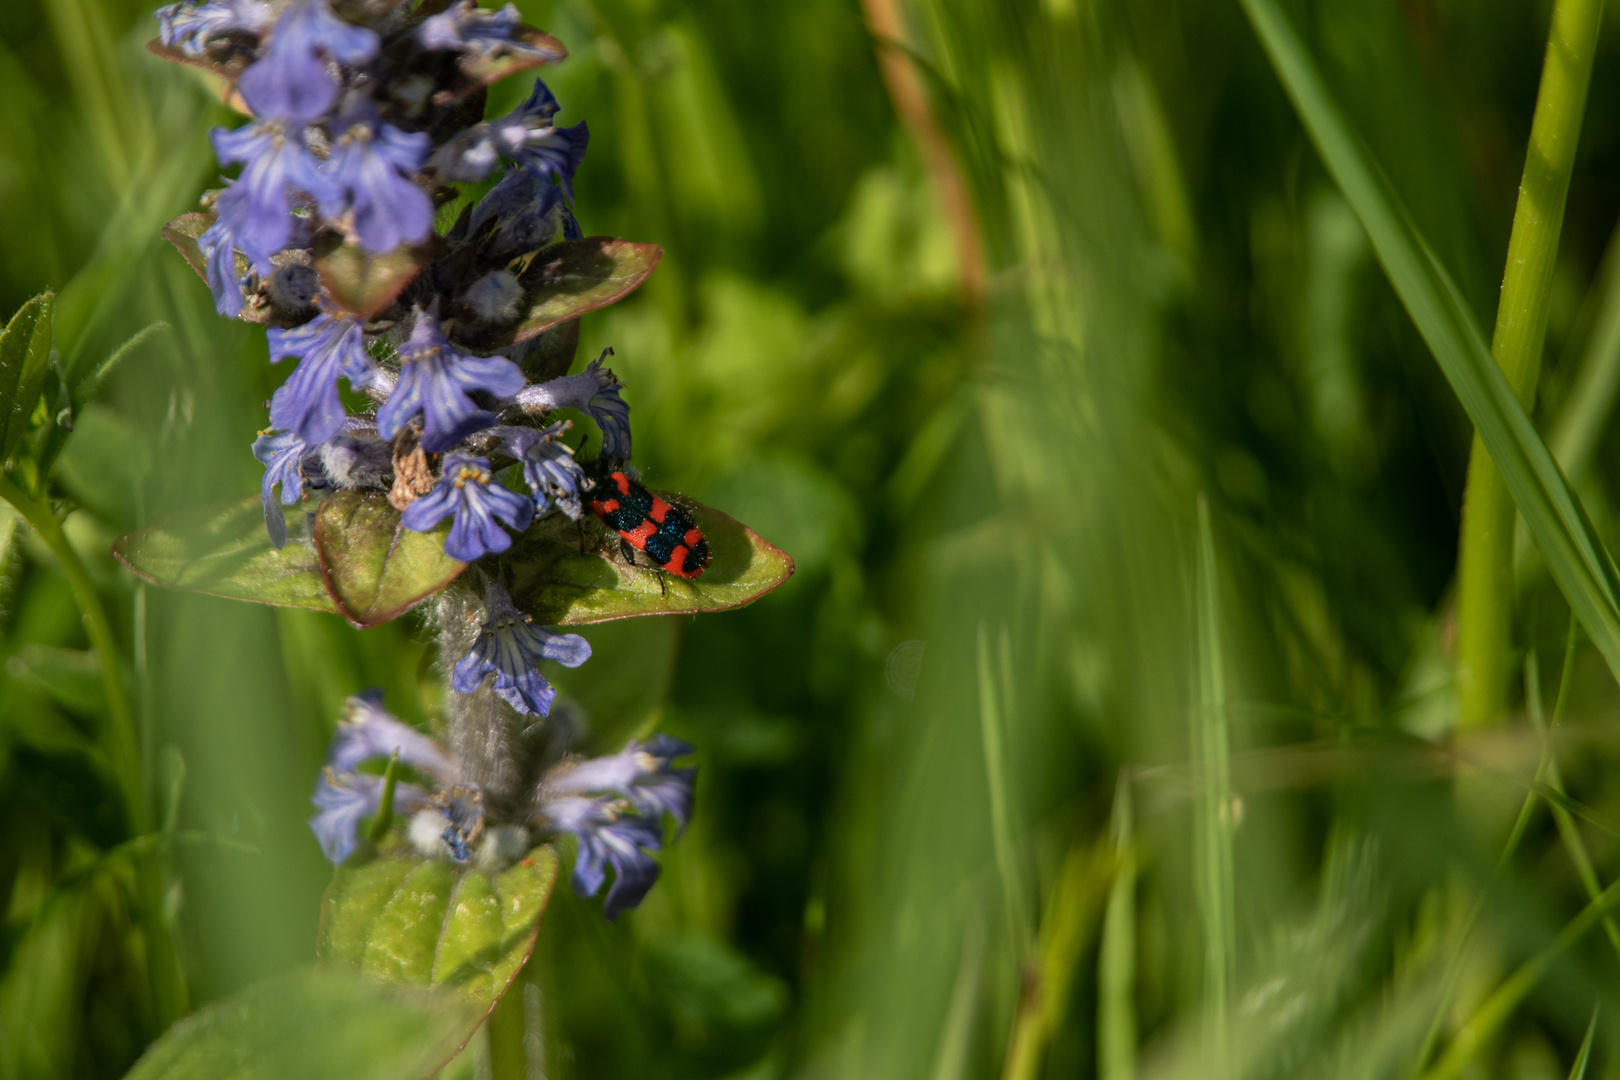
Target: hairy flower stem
{"points": [[1485, 574], [122, 746]]}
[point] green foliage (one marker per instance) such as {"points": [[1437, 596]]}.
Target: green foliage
{"points": [[567, 280], [374, 568], [223, 550], [25, 357], [313, 1025], [399, 919]]}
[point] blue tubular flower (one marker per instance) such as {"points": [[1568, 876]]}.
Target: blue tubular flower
{"points": [[642, 772], [190, 26], [256, 211], [510, 645], [369, 731], [594, 390], [331, 344], [467, 28], [608, 836], [343, 799], [283, 458], [549, 467], [218, 246], [528, 214], [527, 136], [367, 173], [467, 490], [434, 380], [290, 82]]}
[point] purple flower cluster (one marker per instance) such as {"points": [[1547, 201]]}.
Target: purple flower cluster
{"points": [[613, 806]]}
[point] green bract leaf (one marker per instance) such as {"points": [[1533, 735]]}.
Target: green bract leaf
{"points": [[411, 921], [25, 356], [1552, 512], [558, 585], [316, 1026], [569, 279], [363, 283], [222, 550], [376, 569], [183, 233]]}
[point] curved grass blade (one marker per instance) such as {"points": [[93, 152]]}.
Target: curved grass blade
{"points": [[222, 550], [558, 583], [403, 920], [1553, 514], [375, 569]]}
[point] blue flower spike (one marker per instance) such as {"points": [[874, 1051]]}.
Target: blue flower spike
{"points": [[282, 456], [621, 825], [468, 494], [434, 381], [191, 26], [344, 796], [368, 174], [512, 646], [549, 467], [331, 345], [596, 391]]}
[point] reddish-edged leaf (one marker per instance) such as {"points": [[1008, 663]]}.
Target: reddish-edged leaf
{"points": [[375, 569], [559, 585]]}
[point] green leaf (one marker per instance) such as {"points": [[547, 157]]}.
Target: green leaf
{"points": [[376, 569], [402, 919], [183, 232], [569, 279], [558, 585], [25, 356], [363, 283], [222, 550], [71, 677], [315, 1025], [1552, 512]]}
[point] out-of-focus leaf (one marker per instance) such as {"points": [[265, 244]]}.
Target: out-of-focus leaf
{"points": [[375, 569], [70, 676], [220, 76], [184, 231], [560, 585], [411, 921], [313, 1025], [569, 279], [483, 70], [222, 550], [77, 790], [25, 356], [364, 283], [1553, 513]]}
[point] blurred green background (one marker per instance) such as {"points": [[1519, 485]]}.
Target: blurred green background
{"points": [[969, 343]]}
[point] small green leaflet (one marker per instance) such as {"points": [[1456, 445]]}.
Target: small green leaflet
{"points": [[376, 569], [25, 357], [404, 920]]}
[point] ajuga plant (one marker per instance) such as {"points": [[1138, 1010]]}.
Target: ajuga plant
{"points": [[394, 240]]}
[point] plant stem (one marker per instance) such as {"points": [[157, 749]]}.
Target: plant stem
{"points": [[1485, 574], [123, 749]]}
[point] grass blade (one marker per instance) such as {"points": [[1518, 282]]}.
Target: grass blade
{"points": [[1582, 568], [1577, 1071], [1116, 967], [1213, 846]]}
